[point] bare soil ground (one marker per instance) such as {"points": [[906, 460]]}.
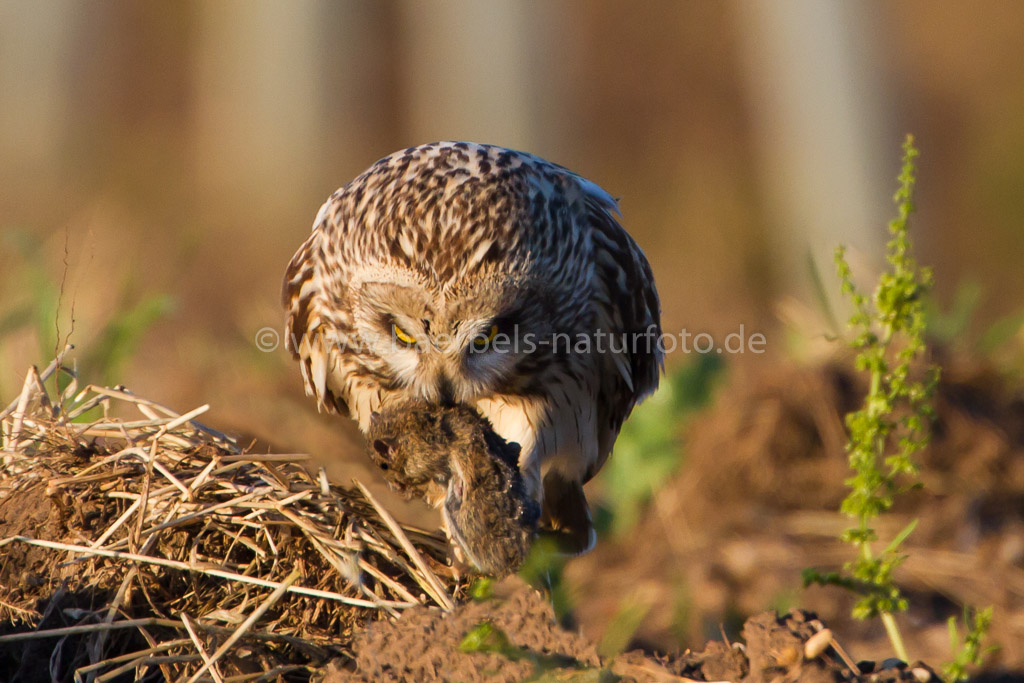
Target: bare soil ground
{"points": [[423, 645]]}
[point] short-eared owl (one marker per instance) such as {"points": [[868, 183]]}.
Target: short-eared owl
{"points": [[466, 273]]}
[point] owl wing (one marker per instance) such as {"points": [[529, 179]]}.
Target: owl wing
{"points": [[629, 311], [311, 326], [629, 362]]}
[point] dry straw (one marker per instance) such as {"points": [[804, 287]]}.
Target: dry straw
{"points": [[155, 543]]}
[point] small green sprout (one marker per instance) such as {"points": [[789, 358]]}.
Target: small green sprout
{"points": [[482, 588], [486, 637], [969, 652]]}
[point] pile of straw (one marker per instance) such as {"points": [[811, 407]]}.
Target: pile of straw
{"points": [[158, 546]]}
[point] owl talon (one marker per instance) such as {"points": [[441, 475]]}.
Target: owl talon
{"points": [[566, 516]]}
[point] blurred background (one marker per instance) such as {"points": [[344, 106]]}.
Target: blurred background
{"points": [[161, 162]]}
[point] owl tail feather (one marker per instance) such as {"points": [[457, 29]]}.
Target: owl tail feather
{"points": [[566, 515]]}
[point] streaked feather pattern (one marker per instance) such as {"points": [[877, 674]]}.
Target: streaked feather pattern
{"points": [[449, 238]]}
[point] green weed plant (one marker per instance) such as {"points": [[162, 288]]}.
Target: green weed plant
{"points": [[893, 423]]}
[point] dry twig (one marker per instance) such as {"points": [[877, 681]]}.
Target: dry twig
{"points": [[169, 518]]}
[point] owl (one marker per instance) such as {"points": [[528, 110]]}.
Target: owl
{"points": [[467, 274]]}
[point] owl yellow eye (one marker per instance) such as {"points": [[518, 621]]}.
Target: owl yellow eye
{"points": [[482, 340], [402, 336]]}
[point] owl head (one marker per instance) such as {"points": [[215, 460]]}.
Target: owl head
{"points": [[451, 344]]}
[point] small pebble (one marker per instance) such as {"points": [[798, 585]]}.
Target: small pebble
{"points": [[817, 643], [894, 663], [866, 666], [788, 657], [921, 674]]}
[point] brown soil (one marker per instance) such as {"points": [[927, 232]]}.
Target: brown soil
{"points": [[423, 645], [727, 538], [31, 513], [755, 503]]}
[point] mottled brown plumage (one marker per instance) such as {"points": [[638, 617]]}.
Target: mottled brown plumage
{"points": [[451, 456], [436, 247]]}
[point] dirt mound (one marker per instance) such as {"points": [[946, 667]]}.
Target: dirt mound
{"points": [[424, 645]]}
